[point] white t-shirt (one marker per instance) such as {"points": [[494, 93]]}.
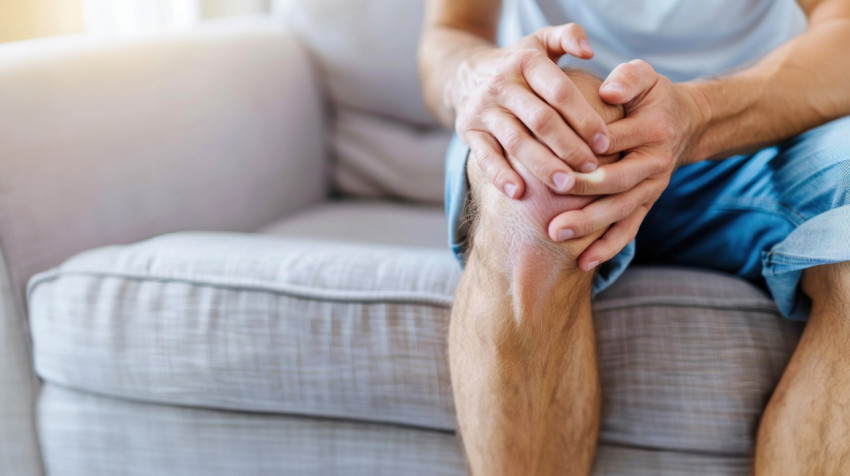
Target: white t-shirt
{"points": [[682, 39]]}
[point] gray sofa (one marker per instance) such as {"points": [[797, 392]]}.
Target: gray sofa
{"points": [[223, 252]]}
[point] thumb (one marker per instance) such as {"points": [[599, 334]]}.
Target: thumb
{"points": [[568, 39], [628, 81]]}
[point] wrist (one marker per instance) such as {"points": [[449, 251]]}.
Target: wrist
{"points": [[464, 68], [700, 118]]}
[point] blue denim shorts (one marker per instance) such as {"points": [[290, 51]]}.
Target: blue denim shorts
{"points": [[764, 217]]}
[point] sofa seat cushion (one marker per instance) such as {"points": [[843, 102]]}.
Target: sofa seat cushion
{"points": [[302, 321]]}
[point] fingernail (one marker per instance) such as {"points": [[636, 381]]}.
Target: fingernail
{"points": [[587, 167], [510, 190], [562, 181], [592, 265], [600, 143], [565, 234], [585, 45], [614, 87]]}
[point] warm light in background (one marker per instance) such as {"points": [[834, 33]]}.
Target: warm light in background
{"points": [[24, 19]]}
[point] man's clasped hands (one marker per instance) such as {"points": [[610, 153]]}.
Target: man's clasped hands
{"points": [[519, 112]]}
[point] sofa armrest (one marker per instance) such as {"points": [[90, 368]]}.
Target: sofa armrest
{"points": [[19, 450], [110, 142], [105, 142]]}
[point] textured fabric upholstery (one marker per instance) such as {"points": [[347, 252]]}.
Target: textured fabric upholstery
{"points": [[357, 330], [105, 143], [254, 323], [87, 435], [688, 359], [376, 222], [366, 52], [111, 142], [318, 346], [375, 157], [385, 143], [19, 454]]}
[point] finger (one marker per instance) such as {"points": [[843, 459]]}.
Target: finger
{"points": [[633, 132], [546, 124], [620, 176], [555, 87], [628, 81], [488, 155], [568, 39], [602, 213], [516, 140], [613, 241]]}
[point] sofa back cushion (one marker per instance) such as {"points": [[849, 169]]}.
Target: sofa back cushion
{"points": [[384, 141]]}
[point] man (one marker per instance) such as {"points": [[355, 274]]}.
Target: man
{"points": [[746, 172]]}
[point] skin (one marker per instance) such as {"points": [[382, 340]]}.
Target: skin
{"points": [[521, 343], [805, 429], [501, 99], [525, 125]]}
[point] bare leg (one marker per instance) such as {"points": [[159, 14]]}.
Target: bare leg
{"points": [[805, 429], [521, 343]]}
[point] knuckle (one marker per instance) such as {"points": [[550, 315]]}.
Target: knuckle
{"points": [[495, 85], [540, 120], [630, 73], [573, 29], [525, 57], [482, 158], [572, 155], [545, 31], [624, 207], [500, 177], [580, 187], [584, 224], [491, 167], [641, 66], [561, 92], [622, 182], [588, 124], [512, 141], [544, 169]]}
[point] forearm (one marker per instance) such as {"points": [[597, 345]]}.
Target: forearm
{"points": [[442, 51], [797, 87]]}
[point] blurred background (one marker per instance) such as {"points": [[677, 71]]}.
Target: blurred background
{"points": [[26, 19]]}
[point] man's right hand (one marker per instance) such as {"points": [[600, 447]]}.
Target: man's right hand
{"points": [[516, 101]]}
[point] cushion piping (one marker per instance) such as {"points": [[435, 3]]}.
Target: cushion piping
{"points": [[422, 298]]}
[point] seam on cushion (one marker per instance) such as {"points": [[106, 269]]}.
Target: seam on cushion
{"points": [[655, 449], [739, 304], [431, 299], [289, 413]]}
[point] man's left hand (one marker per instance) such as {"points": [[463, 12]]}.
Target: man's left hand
{"points": [[663, 120]]}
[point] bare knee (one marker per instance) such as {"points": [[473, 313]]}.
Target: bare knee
{"points": [[509, 238], [510, 235]]}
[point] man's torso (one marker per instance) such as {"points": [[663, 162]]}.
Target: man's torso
{"points": [[682, 39]]}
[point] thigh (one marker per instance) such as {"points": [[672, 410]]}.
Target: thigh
{"points": [[759, 216]]}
